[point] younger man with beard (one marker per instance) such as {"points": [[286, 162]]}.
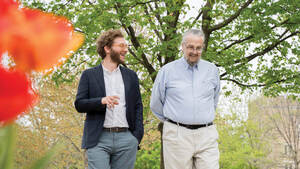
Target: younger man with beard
{"points": [[109, 94]]}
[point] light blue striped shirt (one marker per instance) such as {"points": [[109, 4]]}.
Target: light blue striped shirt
{"points": [[186, 94]]}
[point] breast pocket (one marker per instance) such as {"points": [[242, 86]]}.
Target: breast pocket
{"points": [[206, 89], [178, 89]]}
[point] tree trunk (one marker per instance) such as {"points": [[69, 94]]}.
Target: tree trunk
{"points": [[160, 128]]}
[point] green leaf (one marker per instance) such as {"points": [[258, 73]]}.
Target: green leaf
{"points": [[44, 161]]}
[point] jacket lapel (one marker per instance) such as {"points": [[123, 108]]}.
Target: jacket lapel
{"points": [[100, 78]]}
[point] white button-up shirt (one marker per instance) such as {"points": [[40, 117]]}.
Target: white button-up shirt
{"points": [[114, 86]]}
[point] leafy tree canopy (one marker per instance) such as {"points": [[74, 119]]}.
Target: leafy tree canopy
{"points": [[255, 43]]}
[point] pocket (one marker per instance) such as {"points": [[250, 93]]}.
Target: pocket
{"points": [[169, 131], [215, 131], [134, 138], [206, 89]]}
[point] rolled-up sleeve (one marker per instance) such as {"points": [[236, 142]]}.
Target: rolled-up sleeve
{"points": [[158, 95]]}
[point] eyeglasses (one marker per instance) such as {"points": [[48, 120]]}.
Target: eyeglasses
{"points": [[192, 48], [121, 45]]}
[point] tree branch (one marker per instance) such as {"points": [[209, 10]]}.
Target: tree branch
{"points": [[171, 26], [136, 4], [247, 59], [134, 55], [159, 58], [237, 41], [64, 5], [131, 33], [78, 30], [196, 19], [91, 3], [74, 145], [269, 48], [231, 18], [144, 3], [260, 85], [206, 20], [157, 16], [151, 22], [250, 37], [247, 85], [137, 45], [155, 30]]}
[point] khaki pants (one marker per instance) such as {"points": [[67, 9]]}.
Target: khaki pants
{"points": [[190, 149]]}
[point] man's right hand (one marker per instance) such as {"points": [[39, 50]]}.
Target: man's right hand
{"points": [[110, 101]]}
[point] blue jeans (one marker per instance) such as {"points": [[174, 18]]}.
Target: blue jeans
{"points": [[115, 150]]}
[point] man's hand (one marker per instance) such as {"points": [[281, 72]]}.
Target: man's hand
{"points": [[110, 101]]}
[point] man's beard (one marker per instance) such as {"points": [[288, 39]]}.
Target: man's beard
{"points": [[192, 63], [115, 57]]}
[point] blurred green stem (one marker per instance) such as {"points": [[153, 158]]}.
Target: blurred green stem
{"points": [[7, 146]]}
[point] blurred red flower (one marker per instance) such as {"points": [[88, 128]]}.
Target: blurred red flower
{"points": [[36, 41], [16, 94]]}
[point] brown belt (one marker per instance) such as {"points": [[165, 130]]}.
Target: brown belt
{"points": [[116, 129], [191, 126]]}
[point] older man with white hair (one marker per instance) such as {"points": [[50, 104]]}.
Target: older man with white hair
{"points": [[185, 96]]}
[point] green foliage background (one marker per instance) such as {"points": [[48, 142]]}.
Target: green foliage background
{"points": [[254, 43]]}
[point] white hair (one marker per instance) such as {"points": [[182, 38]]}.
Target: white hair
{"points": [[195, 32]]}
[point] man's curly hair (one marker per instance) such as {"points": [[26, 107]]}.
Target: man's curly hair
{"points": [[106, 39]]}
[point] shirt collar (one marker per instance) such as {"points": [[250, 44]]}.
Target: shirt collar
{"points": [[115, 70], [187, 66]]}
